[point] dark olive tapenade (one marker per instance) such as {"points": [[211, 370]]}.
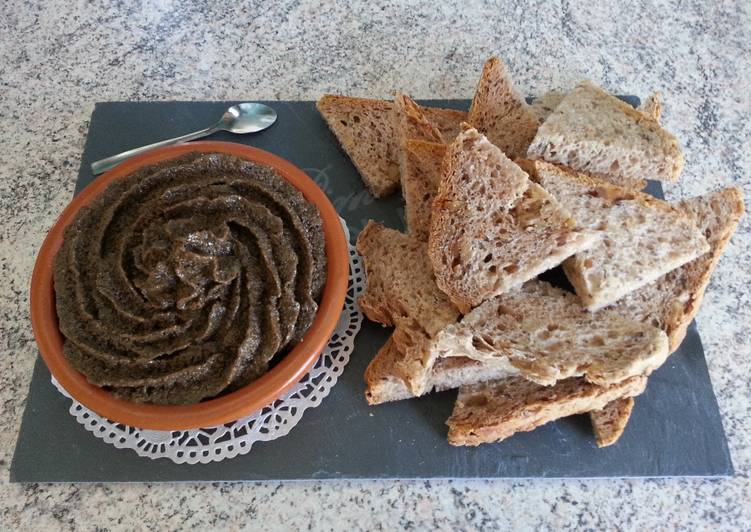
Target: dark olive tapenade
{"points": [[182, 280]]}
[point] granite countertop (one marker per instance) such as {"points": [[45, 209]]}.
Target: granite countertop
{"points": [[58, 58]]}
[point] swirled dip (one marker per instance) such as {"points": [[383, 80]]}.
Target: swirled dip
{"points": [[182, 280]]}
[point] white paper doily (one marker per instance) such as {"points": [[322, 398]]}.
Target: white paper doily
{"points": [[201, 446]]}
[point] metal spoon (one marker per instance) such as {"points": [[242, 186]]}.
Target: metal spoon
{"points": [[240, 118]]}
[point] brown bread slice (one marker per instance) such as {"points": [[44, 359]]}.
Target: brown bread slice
{"points": [[364, 128], [401, 292], [594, 132], [610, 421], [493, 411], [500, 113], [491, 227], [420, 179], [547, 335], [643, 237], [543, 105], [385, 382], [671, 302]]}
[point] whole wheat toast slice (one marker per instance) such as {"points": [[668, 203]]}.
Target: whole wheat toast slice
{"points": [[547, 336], [610, 421], [643, 237], [386, 382], [401, 292], [499, 112], [364, 128], [420, 179], [594, 132], [671, 302], [493, 411], [491, 227]]}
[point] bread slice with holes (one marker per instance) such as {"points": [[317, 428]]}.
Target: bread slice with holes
{"points": [[495, 410], [672, 301], [401, 292], [386, 382], [610, 421], [500, 113], [420, 179], [546, 335], [594, 132], [643, 237], [491, 227], [365, 129]]}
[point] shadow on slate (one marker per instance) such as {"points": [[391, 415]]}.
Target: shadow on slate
{"points": [[675, 429]]}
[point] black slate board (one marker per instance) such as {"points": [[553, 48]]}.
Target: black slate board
{"points": [[675, 429]]}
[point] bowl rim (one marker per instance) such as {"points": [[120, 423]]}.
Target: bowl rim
{"points": [[238, 404]]}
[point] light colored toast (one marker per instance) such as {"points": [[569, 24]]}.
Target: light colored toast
{"points": [[547, 336], [610, 421], [543, 105], [672, 301], [364, 128], [493, 411], [643, 237], [448, 121], [401, 292], [594, 132], [499, 112], [420, 179], [385, 382], [491, 227]]}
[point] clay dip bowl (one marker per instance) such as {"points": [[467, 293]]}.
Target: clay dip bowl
{"points": [[263, 391]]}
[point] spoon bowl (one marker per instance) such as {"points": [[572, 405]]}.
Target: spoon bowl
{"points": [[248, 118]]}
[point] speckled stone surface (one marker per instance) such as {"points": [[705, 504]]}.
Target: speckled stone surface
{"points": [[57, 58]]}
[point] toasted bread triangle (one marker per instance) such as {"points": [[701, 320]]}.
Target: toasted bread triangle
{"points": [[385, 381], [365, 129], [499, 112], [594, 132], [643, 237], [494, 410], [401, 292], [491, 228], [672, 301], [546, 334]]}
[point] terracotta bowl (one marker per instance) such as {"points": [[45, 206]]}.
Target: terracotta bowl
{"points": [[259, 393]]}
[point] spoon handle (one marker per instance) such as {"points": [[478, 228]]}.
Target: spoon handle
{"points": [[102, 165]]}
